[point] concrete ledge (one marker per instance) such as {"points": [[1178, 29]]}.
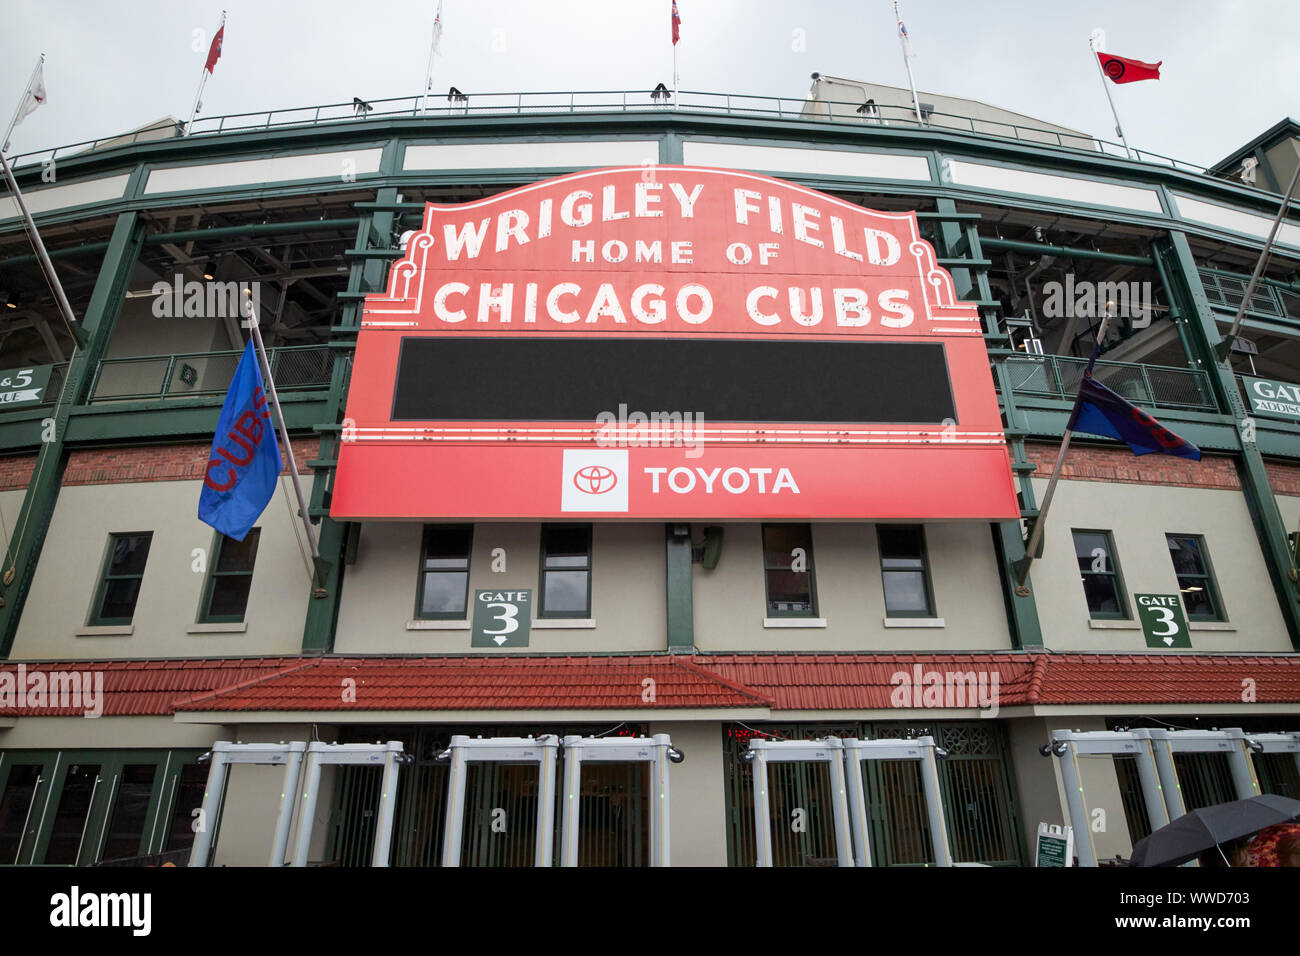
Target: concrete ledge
{"points": [[1211, 626], [437, 625], [563, 623], [914, 622], [232, 627], [106, 630], [794, 622], [1114, 625]]}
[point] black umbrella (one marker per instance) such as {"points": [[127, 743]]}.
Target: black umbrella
{"points": [[1193, 833]]}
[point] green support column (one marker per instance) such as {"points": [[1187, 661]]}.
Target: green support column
{"points": [[366, 275], [681, 601], [956, 239], [28, 532], [1204, 335]]}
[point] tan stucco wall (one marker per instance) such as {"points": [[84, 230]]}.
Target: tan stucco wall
{"points": [[67, 576], [627, 598], [1042, 791], [731, 600], [1138, 516], [697, 802]]}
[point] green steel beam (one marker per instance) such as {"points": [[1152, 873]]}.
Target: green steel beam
{"points": [[337, 538], [681, 601], [1258, 491], [43, 490], [251, 229], [1008, 540], [1073, 252]]}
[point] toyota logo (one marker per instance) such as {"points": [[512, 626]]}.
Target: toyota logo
{"points": [[595, 479]]}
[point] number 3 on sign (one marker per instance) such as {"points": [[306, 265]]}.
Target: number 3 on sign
{"points": [[508, 618], [1165, 616]]}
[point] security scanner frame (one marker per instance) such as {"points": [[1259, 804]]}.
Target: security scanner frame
{"points": [[1276, 744], [225, 753], [464, 750], [1232, 742], [389, 755], [1069, 745], [924, 752], [658, 751], [828, 750]]}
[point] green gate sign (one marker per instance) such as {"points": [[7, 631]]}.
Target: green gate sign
{"points": [[1273, 399], [24, 386], [501, 618], [1055, 845], [1163, 622]]}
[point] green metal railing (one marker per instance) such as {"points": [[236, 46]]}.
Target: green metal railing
{"points": [[193, 374], [1270, 300], [1058, 377], [843, 112]]}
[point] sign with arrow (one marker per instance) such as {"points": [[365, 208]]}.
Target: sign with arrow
{"points": [[1164, 624], [24, 386], [501, 618]]}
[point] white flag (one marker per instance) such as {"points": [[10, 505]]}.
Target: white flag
{"points": [[35, 94], [906, 40]]}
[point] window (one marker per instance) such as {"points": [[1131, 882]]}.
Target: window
{"points": [[119, 587], [1102, 586], [904, 570], [225, 596], [788, 568], [566, 571], [131, 807], [1195, 577], [443, 592]]}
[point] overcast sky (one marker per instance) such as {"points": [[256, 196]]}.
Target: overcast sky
{"points": [[1231, 67]]}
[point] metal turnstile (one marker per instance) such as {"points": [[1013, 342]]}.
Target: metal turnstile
{"points": [[223, 754], [924, 752], [526, 750], [829, 751], [658, 751]]}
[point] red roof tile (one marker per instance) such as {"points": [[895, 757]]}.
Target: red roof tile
{"points": [[779, 682], [130, 688], [485, 683]]}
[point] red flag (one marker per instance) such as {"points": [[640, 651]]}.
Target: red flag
{"points": [[677, 24], [1121, 69], [214, 51]]}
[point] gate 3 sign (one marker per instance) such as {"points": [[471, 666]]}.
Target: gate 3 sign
{"points": [[501, 618], [670, 342], [1163, 621]]}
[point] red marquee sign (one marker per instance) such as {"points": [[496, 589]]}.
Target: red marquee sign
{"points": [[670, 343]]}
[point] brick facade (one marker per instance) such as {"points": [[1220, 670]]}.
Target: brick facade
{"points": [[158, 463], [1084, 463], [16, 472]]}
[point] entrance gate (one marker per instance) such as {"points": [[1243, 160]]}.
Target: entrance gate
{"points": [[613, 827], [975, 785]]}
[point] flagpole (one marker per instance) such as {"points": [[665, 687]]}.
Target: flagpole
{"points": [[203, 80], [4, 144], [284, 432], [433, 49], [1105, 85], [51, 277], [1033, 548], [907, 62]]}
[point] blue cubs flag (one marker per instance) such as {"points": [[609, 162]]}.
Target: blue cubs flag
{"points": [[245, 462], [1099, 411]]}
